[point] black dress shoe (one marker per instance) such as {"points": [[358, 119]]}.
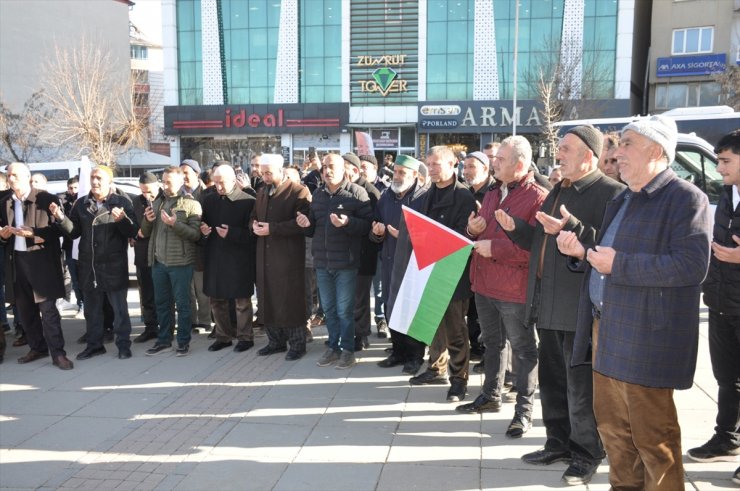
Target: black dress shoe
{"points": [[145, 336], [547, 456], [219, 345], [21, 341], [32, 356], [481, 404], [90, 352], [580, 471], [429, 378], [271, 350], [458, 390], [293, 355], [361, 343], [124, 354], [389, 362], [520, 424], [63, 363], [242, 346]]}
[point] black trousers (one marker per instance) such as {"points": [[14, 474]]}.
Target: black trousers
{"points": [[724, 351], [566, 393], [146, 299], [41, 321], [406, 348], [363, 286]]}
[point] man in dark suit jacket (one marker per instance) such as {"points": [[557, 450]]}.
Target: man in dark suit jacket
{"points": [[450, 203], [33, 265]]}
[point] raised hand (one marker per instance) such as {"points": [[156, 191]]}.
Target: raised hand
{"points": [[476, 224], [302, 220], [339, 220]]}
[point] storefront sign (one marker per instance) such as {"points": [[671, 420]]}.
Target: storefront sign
{"points": [[255, 119], [683, 66], [385, 138], [498, 116], [384, 79]]}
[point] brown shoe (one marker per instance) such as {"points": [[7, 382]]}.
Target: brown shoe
{"points": [[21, 341], [63, 363], [32, 356]]}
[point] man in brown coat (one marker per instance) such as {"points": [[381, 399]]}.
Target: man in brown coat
{"points": [[280, 259]]}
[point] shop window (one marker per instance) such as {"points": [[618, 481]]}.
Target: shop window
{"points": [[687, 95]]}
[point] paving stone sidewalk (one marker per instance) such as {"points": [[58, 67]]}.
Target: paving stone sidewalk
{"points": [[225, 420]]}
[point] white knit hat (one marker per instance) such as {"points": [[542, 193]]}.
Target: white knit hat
{"points": [[659, 129]]}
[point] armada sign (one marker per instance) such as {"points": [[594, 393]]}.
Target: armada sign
{"points": [[499, 116]]}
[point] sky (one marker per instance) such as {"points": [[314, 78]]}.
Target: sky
{"points": [[147, 16]]}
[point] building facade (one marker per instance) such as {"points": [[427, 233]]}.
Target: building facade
{"points": [[693, 41], [289, 76]]}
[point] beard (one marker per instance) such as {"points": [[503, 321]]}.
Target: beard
{"points": [[401, 187]]}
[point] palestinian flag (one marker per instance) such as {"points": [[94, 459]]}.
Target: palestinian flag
{"points": [[437, 261]]}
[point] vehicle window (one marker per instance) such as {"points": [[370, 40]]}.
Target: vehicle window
{"points": [[697, 167], [54, 174]]}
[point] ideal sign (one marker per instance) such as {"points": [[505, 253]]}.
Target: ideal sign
{"points": [[255, 118], [684, 66]]}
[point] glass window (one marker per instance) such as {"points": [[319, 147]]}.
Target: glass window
{"points": [[450, 43], [677, 95], [190, 77], [705, 45], [408, 137], [709, 94], [661, 100], [320, 42], [678, 41], [693, 40]]}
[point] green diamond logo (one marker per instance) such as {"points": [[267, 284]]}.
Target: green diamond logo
{"points": [[384, 76]]}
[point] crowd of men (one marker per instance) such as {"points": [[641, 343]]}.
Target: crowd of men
{"points": [[585, 284]]}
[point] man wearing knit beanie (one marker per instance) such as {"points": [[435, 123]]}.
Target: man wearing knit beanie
{"points": [[639, 307], [575, 204]]}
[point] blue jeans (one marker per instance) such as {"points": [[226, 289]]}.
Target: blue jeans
{"points": [[337, 291], [94, 317], [172, 283]]}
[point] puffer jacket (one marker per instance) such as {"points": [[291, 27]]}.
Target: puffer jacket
{"points": [[338, 247], [103, 249], [179, 240], [722, 286]]}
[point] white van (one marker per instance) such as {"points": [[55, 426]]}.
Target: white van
{"points": [[56, 173]]}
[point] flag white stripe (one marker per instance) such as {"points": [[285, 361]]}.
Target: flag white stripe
{"points": [[409, 295]]}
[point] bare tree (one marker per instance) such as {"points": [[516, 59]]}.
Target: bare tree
{"points": [[729, 83], [95, 110], [21, 133], [551, 111], [565, 76]]}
